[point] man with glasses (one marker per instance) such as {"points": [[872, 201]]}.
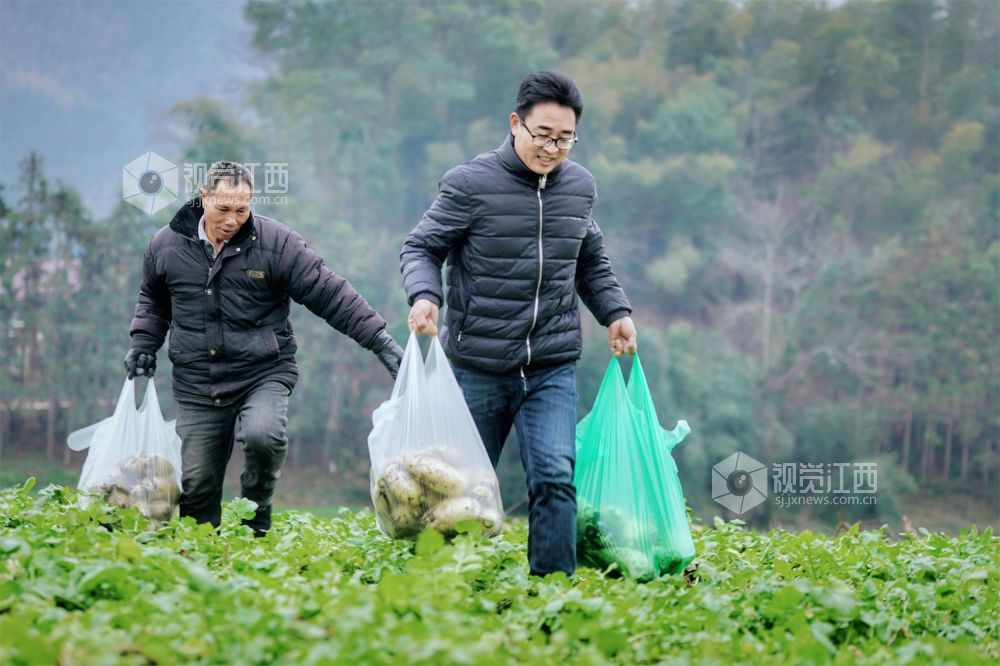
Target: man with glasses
{"points": [[516, 229]]}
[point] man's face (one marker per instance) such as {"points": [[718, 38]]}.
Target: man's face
{"points": [[227, 208], [544, 119]]}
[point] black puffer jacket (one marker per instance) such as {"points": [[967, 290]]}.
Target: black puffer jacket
{"points": [[520, 247], [228, 320]]}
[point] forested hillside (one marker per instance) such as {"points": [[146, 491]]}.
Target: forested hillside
{"points": [[800, 198]]}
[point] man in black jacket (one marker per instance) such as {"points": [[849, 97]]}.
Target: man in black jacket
{"points": [[220, 279], [515, 226]]}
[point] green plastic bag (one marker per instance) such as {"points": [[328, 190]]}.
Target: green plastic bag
{"points": [[630, 506]]}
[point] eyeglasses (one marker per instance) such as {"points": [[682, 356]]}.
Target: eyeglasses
{"points": [[543, 141]]}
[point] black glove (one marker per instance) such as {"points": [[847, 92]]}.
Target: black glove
{"points": [[389, 353], [138, 362]]}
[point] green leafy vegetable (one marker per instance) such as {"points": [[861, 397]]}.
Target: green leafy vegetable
{"points": [[99, 584]]}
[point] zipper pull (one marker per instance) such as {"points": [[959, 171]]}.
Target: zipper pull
{"points": [[541, 181]]}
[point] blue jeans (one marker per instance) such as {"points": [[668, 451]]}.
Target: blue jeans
{"points": [[207, 435], [543, 409]]}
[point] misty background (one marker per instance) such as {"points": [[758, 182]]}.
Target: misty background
{"points": [[800, 197]]}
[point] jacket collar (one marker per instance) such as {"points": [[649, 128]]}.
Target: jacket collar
{"points": [[513, 163], [185, 222]]}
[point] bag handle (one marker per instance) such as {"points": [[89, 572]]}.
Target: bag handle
{"points": [[411, 368], [611, 395], [150, 400], [641, 398], [437, 362], [126, 399], [80, 440], [612, 387]]}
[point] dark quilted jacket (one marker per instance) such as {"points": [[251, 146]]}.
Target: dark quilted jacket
{"points": [[228, 320], [519, 247]]}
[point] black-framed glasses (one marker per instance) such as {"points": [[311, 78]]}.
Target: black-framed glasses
{"points": [[543, 141]]}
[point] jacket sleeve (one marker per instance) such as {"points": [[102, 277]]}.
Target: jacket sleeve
{"points": [[152, 313], [596, 282], [428, 245], [329, 296]]}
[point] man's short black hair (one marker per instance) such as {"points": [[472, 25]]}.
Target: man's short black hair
{"points": [[548, 86], [233, 173]]}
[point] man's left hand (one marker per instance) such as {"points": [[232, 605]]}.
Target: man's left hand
{"points": [[622, 336], [389, 353], [139, 363]]}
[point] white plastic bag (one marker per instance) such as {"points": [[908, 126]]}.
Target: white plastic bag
{"points": [[134, 457], [429, 468]]}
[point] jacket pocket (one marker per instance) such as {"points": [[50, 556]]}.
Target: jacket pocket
{"points": [[454, 323], [252, 346], [185, 347], [459, 301]]}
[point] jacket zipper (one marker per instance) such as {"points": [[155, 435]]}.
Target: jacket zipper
{"points": [[541, 263], [210, 262]]}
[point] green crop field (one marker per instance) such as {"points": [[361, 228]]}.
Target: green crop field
{"points": [[101, 586]]}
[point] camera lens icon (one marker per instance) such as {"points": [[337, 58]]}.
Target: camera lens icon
{"points": [[739, 483], [149, 183]]}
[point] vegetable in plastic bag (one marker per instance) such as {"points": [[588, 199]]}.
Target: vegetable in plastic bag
{"points": [[631, 514], [134, 457], [429, 467]]}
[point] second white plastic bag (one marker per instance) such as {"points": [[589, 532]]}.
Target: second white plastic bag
{"points": [[429, 468], [134, 456]]}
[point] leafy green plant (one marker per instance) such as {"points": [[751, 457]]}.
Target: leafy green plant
{"points": [[100, 585]]}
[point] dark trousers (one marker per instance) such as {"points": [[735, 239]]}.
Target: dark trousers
{"points": [[207, 435], [542, 408]]}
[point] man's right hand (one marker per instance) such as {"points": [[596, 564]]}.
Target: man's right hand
{"points": [[423, 317], [139, 363]]}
